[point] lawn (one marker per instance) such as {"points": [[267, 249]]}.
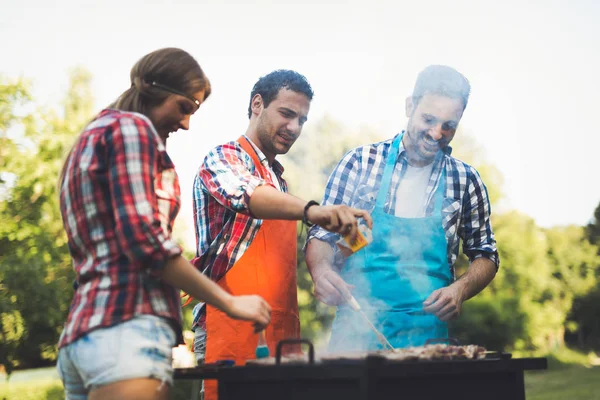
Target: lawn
{"points": [[563, 381], [571, 383]]}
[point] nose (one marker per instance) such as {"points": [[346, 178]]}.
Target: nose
{"points": [[185, 123], [436, 132], [294, 126]]}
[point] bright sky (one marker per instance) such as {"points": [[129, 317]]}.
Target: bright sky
{"points": [[533, 66]]}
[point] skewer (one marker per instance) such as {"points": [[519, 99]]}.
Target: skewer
{"points": [[356, 307]]}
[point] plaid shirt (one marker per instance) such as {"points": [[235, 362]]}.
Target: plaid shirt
{"points": [[224, 227], [465, 209], [118, 200]]}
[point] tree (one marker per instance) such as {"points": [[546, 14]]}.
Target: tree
{"points": [[36, 273], [12, 95], [584, 318]]}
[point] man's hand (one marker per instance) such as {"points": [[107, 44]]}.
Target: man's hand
{"points": [[339, 219], [445, 303], [331, 289]]}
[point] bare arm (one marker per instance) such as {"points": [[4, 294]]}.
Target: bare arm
{"points": [[268, 203], [446, 303], [179, 273], [478, 276]]}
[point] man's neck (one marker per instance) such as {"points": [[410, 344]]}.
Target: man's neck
{"points": [[416, 161], [253, 136]]}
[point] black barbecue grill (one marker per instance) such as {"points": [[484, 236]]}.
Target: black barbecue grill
{"points": [[496, 377]]}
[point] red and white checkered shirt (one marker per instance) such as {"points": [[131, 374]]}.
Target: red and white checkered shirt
{"points": [[118, 200]]}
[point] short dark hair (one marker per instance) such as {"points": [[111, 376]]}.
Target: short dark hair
{"points": [[442, 80], [269, 85]]}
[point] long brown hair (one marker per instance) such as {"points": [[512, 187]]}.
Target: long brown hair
{"points": [[169, 67]]}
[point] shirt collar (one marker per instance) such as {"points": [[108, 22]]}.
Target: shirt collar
{"points": [[277, 167]]}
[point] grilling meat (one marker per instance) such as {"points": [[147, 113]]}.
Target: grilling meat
{"points": [[427, 352], [437, 352]]}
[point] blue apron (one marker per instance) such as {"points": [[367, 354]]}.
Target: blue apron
{"points": [[393, 275]]}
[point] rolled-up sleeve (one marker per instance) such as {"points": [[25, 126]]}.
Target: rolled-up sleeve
{"points": [[478, 238], [226, 174], [132, 160]]}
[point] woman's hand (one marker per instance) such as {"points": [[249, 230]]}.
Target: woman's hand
{"points": [[250, 308]]}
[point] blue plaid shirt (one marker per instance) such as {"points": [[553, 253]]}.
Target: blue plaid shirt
{"points": [[465, 209]]}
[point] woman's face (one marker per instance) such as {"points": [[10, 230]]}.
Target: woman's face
{"points": [[174, 113]]}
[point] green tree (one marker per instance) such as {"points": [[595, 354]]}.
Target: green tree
{"points": [[36, 272], [584, 318]]}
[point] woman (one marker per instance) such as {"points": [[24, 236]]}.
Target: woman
{"points": [[119, 196]]}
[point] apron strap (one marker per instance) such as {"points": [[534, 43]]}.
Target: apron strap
{"points": [[386, 179], [439, 193], [248, 148]]}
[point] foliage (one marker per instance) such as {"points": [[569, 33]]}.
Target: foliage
{"points": [[584, 319], [495, 323], [35, 269]]}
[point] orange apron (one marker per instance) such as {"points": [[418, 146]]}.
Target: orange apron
{"points": [[267, 268]]}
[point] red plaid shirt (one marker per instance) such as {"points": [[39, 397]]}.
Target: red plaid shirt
{"points": [[118, 200]]}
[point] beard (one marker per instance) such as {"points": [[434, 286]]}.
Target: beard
{"points": [[421, 147]]}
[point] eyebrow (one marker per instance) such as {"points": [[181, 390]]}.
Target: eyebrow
{"points": [[289, 110], [452, 122]]}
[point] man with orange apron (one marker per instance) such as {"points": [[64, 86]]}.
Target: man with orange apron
{"points": [[246, 223], [423, 203]]}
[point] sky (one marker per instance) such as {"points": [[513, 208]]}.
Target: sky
{"points": [[533, 67]]}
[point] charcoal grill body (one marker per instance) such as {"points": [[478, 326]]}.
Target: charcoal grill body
{"points": [[373, 379]]}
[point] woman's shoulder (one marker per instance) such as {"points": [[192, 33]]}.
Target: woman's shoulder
{"points": [[124, 123]]}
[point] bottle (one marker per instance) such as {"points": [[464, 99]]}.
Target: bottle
{"points": [[262, 350]]}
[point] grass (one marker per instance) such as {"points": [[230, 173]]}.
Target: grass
{"points": [[570, 376], [571, 383], [32, 384]]}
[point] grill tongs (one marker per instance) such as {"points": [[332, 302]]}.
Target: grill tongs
{"points": [[356, 307]]}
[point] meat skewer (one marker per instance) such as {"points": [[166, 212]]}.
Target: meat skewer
{"points": [[356, 307]]}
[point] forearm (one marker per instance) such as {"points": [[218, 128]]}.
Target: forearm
{"points": [[179, 273], [319, 257], [478, 276], [268, 203]]}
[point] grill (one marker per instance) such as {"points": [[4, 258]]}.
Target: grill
{"points": [[496, 377]]}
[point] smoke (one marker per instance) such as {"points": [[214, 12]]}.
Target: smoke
{"points": [[395, 297]]}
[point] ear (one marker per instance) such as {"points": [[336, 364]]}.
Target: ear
{"points": [[257, 104], [409, 106]]}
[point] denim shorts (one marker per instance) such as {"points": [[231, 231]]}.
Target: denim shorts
{"points": [[137, 348]]}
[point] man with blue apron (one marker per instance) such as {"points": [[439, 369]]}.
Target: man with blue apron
{"points": [[403, 280], [393, 275]]}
